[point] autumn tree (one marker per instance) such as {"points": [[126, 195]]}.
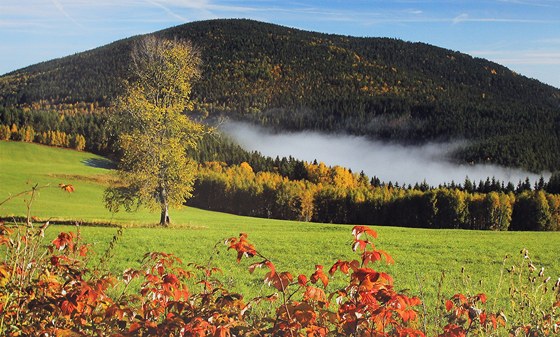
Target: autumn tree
{"points": [[5, 132], [155, 167]]}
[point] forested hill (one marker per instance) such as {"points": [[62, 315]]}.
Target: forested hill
{"points": [[293, 79]]}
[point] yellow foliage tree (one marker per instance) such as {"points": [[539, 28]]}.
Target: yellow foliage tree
{"points": [[78, 142], [5, 132], [154, 166]]}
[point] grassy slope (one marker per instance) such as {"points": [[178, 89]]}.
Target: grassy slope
{"points": [[421, 255]]}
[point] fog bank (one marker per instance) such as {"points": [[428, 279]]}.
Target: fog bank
{"points": [[387, 161]]}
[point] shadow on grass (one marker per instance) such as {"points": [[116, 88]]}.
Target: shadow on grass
{"points": [[99, 163]]}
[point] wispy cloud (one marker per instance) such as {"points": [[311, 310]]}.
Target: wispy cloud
{"points": [[60, 7], [167, 10], [460, 18]]}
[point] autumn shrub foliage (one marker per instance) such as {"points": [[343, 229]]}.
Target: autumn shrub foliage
{"points": [[62, 289]]}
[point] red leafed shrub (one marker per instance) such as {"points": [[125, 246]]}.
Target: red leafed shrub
{"points": [[50, 291], [367, 306]]}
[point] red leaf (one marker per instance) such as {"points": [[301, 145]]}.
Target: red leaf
{"points": [[461, 297], [265, 263], [302, 280], [304, 314], [344, 266], [481, 297], [64, 240], [448, 305], [222, 332], [170, 279], [67, 307], [357, 231], [482, 318], [55, 261], [279, 281], [360, 244]]}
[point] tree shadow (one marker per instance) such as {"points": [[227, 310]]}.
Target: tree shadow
{"points": [[99, 163]]}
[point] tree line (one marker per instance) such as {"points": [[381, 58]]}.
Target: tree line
{"points": [[89, 132], [52, 138], [335, 194]]}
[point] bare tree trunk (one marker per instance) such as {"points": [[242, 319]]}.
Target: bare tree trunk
{"points": [[164, 219]]}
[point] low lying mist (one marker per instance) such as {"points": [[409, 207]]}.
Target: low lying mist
{"points": [[388, 161]]}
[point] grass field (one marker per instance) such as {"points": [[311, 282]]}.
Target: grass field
{"points": [[421, 255]]}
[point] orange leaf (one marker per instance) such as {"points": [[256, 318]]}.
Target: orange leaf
{"points": [[357, 231], [319, 275], [66, 187], [64, 240], [134, 327], [304, 314], [344, 266], [302, 280], [68, 333], [315, 294], [242, 246], [494, 322], [360, 244], [67, 307], [222, 332]]}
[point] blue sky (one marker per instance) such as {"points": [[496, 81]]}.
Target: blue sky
{"points": [[523, 35]]}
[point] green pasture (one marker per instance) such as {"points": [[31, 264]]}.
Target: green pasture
{"points": [[421, 255]]}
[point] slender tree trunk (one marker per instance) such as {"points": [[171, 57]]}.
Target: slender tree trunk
{"points": [[164, 218]]}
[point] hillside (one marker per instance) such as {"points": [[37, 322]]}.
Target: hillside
{"points": [[294, 80]]}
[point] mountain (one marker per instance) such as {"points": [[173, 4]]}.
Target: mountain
{"points": [[291, 79]]}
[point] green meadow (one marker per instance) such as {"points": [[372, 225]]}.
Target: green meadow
{"points": [[422, 257]]}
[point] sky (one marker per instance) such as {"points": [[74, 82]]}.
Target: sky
{"points": [[523, 35]]}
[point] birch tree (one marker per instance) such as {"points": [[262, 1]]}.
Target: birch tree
{"points": [[155, 168]]}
